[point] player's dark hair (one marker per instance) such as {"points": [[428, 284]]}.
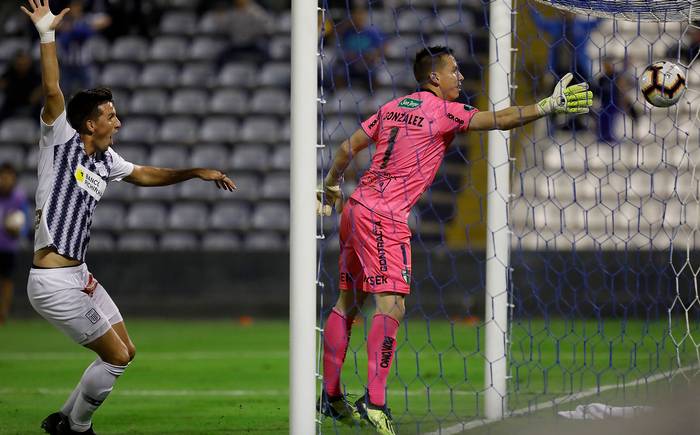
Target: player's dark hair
{"points": [[427, 60], [85, 105]]}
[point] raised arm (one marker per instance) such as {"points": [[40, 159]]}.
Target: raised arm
{"points": [[574, 100], [331, 195], [152, 176], [46, 23]]}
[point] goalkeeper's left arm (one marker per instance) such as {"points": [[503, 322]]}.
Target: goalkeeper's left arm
{"points": [[575, 100]]}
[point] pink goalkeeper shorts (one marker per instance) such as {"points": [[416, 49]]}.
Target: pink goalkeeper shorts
{"points": [[375, 252]]}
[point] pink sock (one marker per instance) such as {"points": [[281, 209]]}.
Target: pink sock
{"points": [[336, 335], [381, 343]]}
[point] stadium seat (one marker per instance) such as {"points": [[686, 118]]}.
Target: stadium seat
{"points": [[138, 129], [264, 241], [260, 129], [206, 48], [166, 156], [210, 23], [179, 130], [281, 158], [284, 22], [229, 102], [158, 75], [197, 75], [149, 102], [209, 156], [188, 216], [129, 49], [12, 154], [134, 153], [453, 20], [137, 242], [119, 75], [459, 45], [220, 241], [271, 216], [220, 129], [376, 100], [119, 190], [280, 47], [346, 102], [338, 128], [275, 74], [178, 23], [102, 242], [109, 216], [146, 216], [10, 46], [97, 49], [250, 157], [286, 130], [411, 20], [20, 130], [239, 75], [276, 186], [189, 102], [270, 101], [198, 190], [230, 216], [157, 193], [179, 241], [395, 74], [122, 101], [168, 48], [247, 186]]}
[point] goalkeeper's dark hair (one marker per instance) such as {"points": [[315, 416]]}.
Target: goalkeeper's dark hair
{"points": [[426, 61], [85, 105]]}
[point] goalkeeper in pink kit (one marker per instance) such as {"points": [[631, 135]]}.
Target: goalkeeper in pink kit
{"points": [[411, 134]]}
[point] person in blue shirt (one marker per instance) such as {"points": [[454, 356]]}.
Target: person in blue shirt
{"points": [[362, 47]]}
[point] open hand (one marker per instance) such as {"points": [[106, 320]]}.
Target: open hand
{"points": [[41, 15], [222, 181]]}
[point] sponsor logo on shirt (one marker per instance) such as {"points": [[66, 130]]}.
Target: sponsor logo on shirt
{"points": [[381, 252], [90, 182], [410, 103], [459, 121]]}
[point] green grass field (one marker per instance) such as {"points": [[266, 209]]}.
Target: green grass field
{"points": [[199, 377]]}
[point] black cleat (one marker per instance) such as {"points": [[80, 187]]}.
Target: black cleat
{"points": [[50, 423], [64, 428], [339, 409]]}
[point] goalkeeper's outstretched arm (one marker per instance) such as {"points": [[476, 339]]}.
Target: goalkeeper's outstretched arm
{"points": [[576, 99], [46, 23]]}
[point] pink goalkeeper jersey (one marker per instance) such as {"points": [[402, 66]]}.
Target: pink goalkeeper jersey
{"points": [[411, 134]]}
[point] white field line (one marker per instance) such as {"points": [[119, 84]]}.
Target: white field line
{"points": [[465, 426], [193, 393], [48, 356]]}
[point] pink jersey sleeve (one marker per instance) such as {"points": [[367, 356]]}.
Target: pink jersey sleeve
{"points": [[371, 126], [457, 117]]}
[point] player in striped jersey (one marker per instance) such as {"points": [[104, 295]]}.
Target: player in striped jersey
{"points": [[411, 134], [76, 162]]}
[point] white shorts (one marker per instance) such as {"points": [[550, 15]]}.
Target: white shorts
{"points": [[57, 295]]}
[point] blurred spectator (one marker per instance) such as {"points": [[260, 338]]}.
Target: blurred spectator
{"points": [[75, 30], [21, 84], [14, 212], [690, 47], [568, 49], [612, 88], [132, 16], [248, 27], [362, 48]]}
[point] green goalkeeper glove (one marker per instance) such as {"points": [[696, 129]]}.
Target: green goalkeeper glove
{"points": [[574, 99], [328, 198]]}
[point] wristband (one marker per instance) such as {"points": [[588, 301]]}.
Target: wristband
{"points": [[47, 37]]}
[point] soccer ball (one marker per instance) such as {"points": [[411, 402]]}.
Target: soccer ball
{"points": [[662, 84]]}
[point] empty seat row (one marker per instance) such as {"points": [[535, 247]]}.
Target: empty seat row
{"points": [[155, 216], [184, 241], [168, 74]]}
